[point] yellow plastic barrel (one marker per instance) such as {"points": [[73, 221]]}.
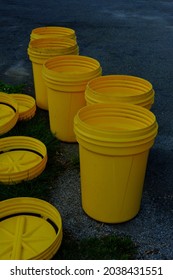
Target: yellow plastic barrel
{"points": [[120, 88], [66, 78], [114, 142], [39, 50], [53, 32], [30, 229]]}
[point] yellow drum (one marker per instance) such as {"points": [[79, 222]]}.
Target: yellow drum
{"points": [[114, 142], [66, 78], [39, 51]]}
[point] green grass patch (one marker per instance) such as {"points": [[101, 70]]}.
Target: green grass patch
{"points": [[109, 247], [11, 88]]}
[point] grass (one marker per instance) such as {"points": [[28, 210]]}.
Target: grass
{"points": [[11, 88], [108, 247]]}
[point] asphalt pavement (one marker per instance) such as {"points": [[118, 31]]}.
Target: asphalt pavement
{"points": [[126, 37]]}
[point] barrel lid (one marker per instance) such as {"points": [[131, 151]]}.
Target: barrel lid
{"points": [[22, 158], [14, 161], [8, 112], [24, 236], [26, 105], [27, 233]]}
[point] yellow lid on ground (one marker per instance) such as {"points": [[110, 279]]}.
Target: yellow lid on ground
{"points": [[21, 158], [30, 229], [8, 112], [26, 105], [23, 236]]}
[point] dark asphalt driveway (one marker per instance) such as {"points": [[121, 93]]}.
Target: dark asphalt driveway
{"points": [[127, 37]]}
